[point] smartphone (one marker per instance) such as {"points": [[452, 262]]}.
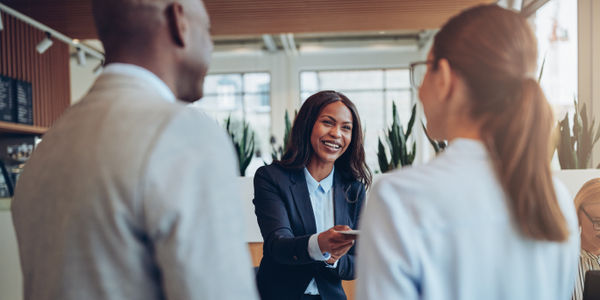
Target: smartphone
{"points": [[350, 232]]}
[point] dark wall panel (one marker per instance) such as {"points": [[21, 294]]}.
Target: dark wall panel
{"points": [[47, 72]]}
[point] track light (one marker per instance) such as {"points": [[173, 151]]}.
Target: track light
{"points": [[80, 57], [289, 45], [269, 42], [51, 36], [44, 44], [98, 68]]}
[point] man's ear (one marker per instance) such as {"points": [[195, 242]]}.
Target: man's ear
{"points": [[178, 26], [444, 79]]}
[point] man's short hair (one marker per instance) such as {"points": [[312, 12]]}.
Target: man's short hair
{"points": [[127, 21]]}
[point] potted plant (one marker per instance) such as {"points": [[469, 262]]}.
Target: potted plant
{"points": [[576, 142], [243, 143], [397, 139]]}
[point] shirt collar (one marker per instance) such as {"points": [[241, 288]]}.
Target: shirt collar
{"points": [[143, 74], [313, 184], [470, 147], [589, 255]]}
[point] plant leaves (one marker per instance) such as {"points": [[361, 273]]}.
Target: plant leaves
{"points": [[396, 139], [542, 68], [244, 146], [382, 158], [411, 122], [577, 142]]}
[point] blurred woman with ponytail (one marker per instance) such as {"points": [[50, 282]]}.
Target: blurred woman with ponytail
{"points": [[485, 219]]}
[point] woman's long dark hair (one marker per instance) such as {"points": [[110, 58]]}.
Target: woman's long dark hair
{"points": [[299, 150], [495, 51]]}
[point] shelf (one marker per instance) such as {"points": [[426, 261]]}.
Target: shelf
{"points": [[13, 128]]}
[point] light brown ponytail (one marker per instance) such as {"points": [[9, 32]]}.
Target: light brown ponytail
{"points": [[518, 139], [495, 51]]}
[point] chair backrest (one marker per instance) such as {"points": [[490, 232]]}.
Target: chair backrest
{"points": [[591, 287]]}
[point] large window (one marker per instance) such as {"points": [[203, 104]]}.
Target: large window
{"points": [[372, 91], [555, 26], [244, 97]]}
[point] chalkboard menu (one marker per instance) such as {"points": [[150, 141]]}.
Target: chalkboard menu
{"points": [[7, 105], [24, 102], [16, 101]]}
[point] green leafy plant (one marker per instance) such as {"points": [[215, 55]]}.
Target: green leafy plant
{"points": [[277, 152], [438, 146], [243, 144], [397, 140], [576, 143]]}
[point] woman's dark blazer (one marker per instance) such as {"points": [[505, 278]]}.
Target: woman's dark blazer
{"points": [[286, 220]]}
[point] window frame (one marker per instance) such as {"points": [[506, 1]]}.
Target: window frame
{"points": [[243, 93], [386, 101]]}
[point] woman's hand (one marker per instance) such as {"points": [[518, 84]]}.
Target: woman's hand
{"points": [[335, 243], [335, 258]]}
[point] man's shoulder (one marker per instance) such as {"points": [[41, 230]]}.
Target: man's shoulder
{"points": [[195, 124], [137, 107], [191, 132]]}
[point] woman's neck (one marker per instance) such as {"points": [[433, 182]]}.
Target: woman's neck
{"points": [[466, 130], [465, 135], [319, 170]]}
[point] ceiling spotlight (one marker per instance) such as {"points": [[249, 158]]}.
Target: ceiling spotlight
{"points": [[80, 57], [44, 44]]}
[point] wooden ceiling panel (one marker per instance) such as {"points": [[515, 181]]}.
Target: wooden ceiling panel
{"points": [[251, 17], [276, 16]]}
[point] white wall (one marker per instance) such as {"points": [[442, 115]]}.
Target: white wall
{"points": [[588, 23], [82, 78], [11, 282]]}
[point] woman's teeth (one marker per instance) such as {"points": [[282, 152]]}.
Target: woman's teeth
{"points": [[332, 145]]}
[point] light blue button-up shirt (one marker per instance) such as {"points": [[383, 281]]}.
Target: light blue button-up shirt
{"points": [[445, 230], [321, 199]]}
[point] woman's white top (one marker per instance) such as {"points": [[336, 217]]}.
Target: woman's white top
{"points": [[444, 231], [587, 262]]}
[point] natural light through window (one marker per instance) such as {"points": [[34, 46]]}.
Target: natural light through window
{"points": [[244, 97], [556, 29]]}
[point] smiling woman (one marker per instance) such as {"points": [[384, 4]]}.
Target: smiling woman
{"points": [[316, 112], [587, 203], [303, 202], [330, 136]]}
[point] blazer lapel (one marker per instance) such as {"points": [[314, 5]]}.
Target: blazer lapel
{"points": [[340, 205], [302, 200]]}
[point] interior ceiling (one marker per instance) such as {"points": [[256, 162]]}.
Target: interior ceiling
{"points": [[254, 17], [343, 38]]}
